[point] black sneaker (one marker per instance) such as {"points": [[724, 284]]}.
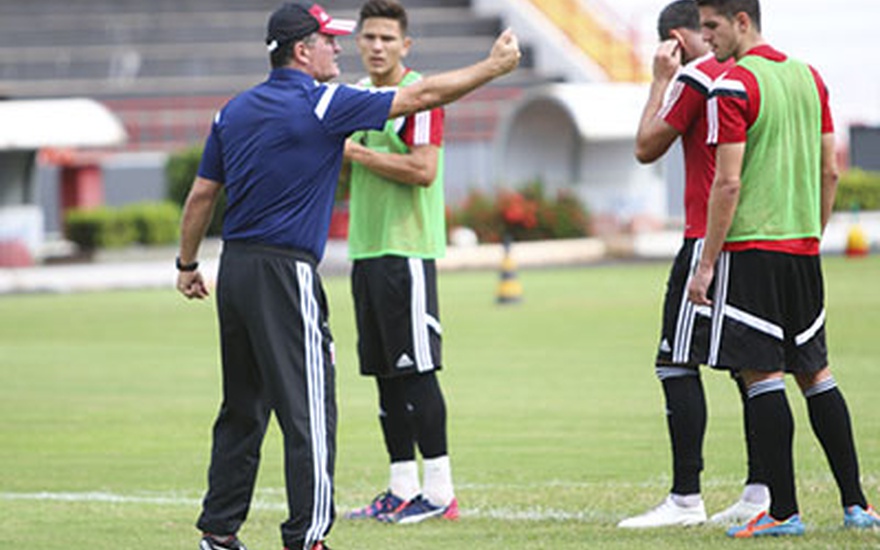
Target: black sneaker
{"points": [[215, 542]]}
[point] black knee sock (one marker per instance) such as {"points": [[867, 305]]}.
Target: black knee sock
{"points": [[756, 472], [831, 424], [428, 411], [395, 419], [686, 421], [773, 427]]}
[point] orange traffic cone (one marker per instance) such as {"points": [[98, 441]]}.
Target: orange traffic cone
{"points": [[509, 288]]}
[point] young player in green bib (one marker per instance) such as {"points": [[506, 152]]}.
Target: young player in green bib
{"points": [[397, 230], [771, 198]]}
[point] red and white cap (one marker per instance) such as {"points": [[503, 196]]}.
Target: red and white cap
{"points": [[293, 21], [329, 25]]}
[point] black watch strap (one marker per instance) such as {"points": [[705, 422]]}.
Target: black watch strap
{"points": [[185, 267]]}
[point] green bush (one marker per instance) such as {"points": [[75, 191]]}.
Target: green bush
{"points": [[154, 222], [82, 227], [570, 218], [99, 228], [521, 215], [858, 190], [180, 171]]}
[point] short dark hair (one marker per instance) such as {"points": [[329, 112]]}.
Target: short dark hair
{"points": [[677, 15], [281, 56], [729, 8], [389, 9]]}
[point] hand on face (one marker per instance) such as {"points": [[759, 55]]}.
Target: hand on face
{"points": [[667, 59]]}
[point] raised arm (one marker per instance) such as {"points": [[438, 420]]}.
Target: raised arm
{"points": [[655, 135], [443, 88]]}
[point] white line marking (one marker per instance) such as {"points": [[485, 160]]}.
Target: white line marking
{"points": [[103, 497], [274, 498], [506, 514]]}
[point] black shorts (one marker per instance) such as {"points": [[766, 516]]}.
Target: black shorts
{"points": [[684, 337], [768, 313], [395, 302]]}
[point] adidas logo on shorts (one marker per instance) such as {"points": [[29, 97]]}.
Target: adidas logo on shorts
{"points": [[404, 361]]}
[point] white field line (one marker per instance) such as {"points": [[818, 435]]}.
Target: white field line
{"points": [[261, 502], [532, 514], [274, 499], [98, 496]]}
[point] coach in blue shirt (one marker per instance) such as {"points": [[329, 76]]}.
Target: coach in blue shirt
{"points": [[277, 150]]}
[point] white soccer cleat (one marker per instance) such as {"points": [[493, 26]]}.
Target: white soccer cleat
{"points": [[668, 513], [739, 512]]}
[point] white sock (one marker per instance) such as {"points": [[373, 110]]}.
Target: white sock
{"points": [[687, 501], [437, 486], [755, 493], [405, 479]]}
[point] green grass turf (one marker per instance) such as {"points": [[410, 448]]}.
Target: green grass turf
{"points": [[555, 417]]}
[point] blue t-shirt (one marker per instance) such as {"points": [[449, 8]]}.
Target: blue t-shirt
{"points": [[277, 148]]}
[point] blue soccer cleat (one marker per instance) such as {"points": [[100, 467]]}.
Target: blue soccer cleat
{"points": [[420, 509], [763, 525], [384, 504], [856, 517]]}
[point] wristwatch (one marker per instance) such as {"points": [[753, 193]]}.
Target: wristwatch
{"points": [[185, 267]]}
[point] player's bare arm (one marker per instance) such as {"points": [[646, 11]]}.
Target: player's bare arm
{"points": [[443, 88], [655, 135], [417, 167], [829, 176], [723, 199]]}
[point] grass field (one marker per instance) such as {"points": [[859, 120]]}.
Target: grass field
{"points": [[556, 420]]}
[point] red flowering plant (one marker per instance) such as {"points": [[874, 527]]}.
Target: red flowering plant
{"points": [[477, 212], [521, 215]]}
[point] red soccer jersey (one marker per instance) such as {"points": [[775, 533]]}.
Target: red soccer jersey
{"points": [[424, 128], [733, 108], [685, 110]]}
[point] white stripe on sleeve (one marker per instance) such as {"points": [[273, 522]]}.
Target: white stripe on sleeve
{"points": [[324, 102], [422, 134], [712, 121]]}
